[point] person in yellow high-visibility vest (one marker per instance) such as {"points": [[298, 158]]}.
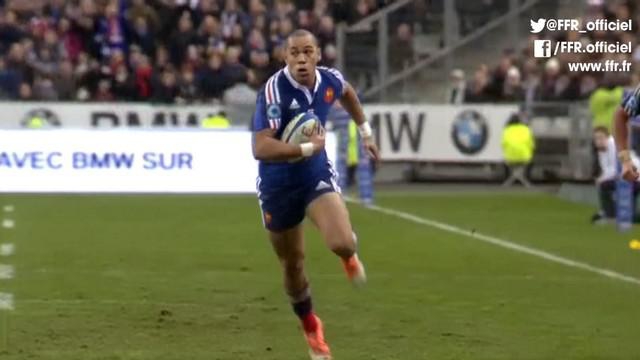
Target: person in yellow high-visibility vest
{"points": [[218, 121], [352, 153], [518, 146]]}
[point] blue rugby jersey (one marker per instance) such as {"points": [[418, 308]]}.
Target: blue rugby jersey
{"points": [[279, 101]]}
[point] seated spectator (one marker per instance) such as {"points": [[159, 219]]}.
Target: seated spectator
{"points": [[326, 33], [259, 62], [10, 81], [212, 81], [187, 88], [165, 89], [181, 39], [143, 36], [140, 11], [234, 70], [65, 81], [124, 86], [112, 49], [112, 30], [10, 31], [25, 93]]}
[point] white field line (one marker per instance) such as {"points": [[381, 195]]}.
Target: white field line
{"points": [[8, 224], [505, 244], [6, 272], [7, 249], [6, 301], [8, 208]]}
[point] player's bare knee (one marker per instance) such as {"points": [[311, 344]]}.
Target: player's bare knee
{"points": [[343, 244]]}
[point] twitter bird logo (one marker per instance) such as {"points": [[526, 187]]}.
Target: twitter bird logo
{"points": [[538, 26]]}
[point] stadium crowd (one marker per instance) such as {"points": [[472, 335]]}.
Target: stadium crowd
{"points": [[161, 51], [519, 76]]}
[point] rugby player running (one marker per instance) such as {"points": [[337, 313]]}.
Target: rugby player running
{"points": [[289, 191]]}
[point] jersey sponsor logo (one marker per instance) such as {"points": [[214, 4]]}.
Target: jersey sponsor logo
{"points": [[329, 95], [294, 105], [274, 113]]}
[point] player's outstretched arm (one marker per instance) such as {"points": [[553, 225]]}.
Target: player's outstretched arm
{"points": [[621, 135], [267, 148], [351, 103]]}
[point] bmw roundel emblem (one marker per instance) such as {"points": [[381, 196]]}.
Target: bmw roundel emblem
{"points": [[273, 111], [470, 132]]}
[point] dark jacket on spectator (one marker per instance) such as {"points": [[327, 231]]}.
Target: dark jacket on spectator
{"points": [[212, 82]]}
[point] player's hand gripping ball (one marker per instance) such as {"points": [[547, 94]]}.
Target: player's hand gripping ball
{"points": [[300, 130]]}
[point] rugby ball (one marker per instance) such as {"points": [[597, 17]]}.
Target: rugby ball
{"points": [[300, 129]]}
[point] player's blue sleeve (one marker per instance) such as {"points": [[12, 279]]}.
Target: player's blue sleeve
{"points": [[260, 121], [631, 103], [338, 80]]}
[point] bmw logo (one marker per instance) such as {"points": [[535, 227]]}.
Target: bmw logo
{"points": [[470, 132]]}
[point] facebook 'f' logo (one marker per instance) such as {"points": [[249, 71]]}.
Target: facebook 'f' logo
{"points": [[542, 48]]}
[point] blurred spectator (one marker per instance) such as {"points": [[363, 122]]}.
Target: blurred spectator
{"points": [[231, 16], [477, 91], [401, 48], [10, 31], [111, 33], [104, 92], [140, 11], [329, 55], [143, 36], [604, 102], [259, 62], [64, 81], [138, 50], [512, 89], [25, 93], [165, 89], [550, 85], [212, 80], [187, 89], [235, 71], [10, 81], [44, 89], [124, 86], [326, 33], [606, 180], [457, 87], [181, 39]]}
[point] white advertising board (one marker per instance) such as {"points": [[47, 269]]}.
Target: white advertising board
{"points": [[440, 133], [90, 161]]}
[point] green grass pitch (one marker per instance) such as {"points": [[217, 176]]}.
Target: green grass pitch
{"points": [[193, 277]]}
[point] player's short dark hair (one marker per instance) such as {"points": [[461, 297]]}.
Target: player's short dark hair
{"points": [[601, 129], [300, 33]]}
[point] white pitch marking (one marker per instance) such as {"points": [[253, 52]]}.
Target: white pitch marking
{"points": [[8, 208], [6, 301], [8, 224], [505, 244], [7, 249], [6, 272]]}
